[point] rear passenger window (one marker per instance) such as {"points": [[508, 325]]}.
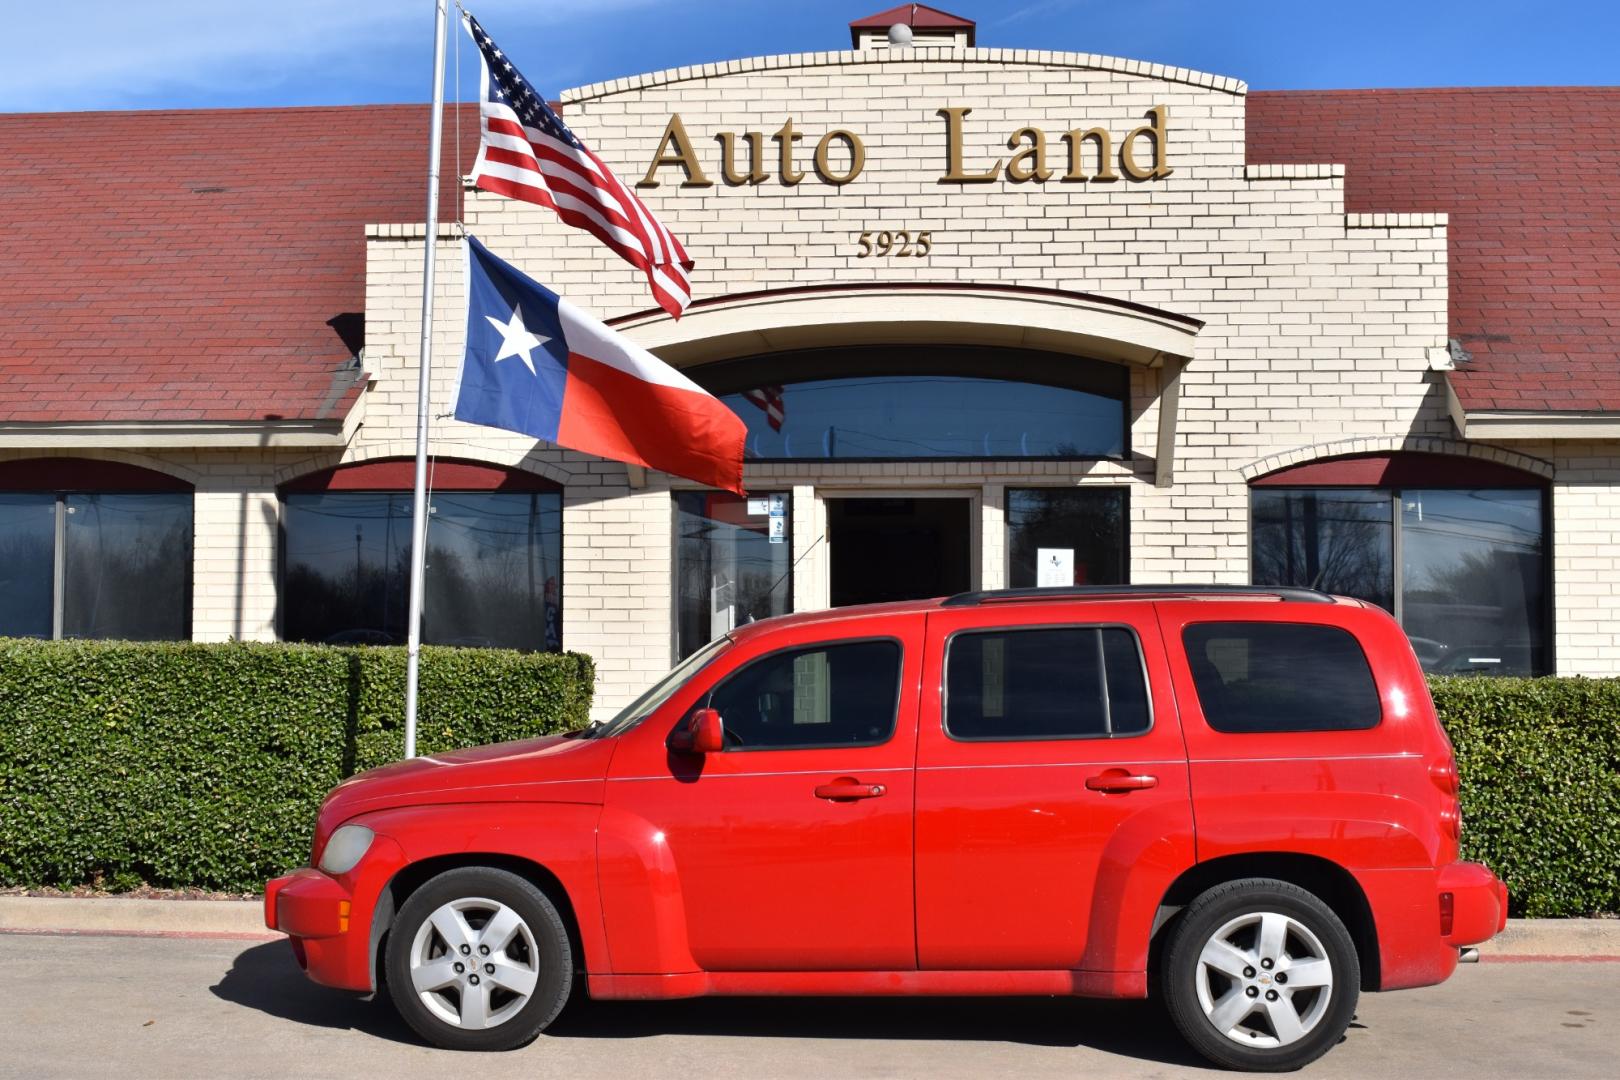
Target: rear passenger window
{"points": [[1258, 677], [1050, 683], [843, 694]]}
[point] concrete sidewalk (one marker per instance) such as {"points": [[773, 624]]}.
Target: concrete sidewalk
{"points": [[1561, 938], [121, 915]]}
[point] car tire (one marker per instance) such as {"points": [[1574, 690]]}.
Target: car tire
{"points": [[479, 959], [1260, 975]]}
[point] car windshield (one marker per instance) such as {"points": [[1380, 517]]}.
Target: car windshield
{"points": [[660, 692]]}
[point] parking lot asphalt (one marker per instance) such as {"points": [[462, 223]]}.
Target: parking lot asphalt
{"points": [[131, 1007]]}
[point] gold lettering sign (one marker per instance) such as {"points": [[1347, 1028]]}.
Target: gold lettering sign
{"points": [[857, 157], [1089, 154], [684, 156]]}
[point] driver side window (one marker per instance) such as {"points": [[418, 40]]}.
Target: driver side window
{"points": [[832, 695]]}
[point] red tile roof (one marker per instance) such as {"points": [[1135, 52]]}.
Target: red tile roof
{"points": [[197, 265], [916, 16], [1531, 181], [133, 288]]}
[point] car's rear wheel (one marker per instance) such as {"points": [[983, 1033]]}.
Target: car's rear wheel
{"points": [[1260, 975], [479, 959]]}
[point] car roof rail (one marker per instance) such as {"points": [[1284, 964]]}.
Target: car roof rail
{"points": [[1166, 592]]}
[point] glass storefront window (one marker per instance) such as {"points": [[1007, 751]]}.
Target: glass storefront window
{"points": [[128, 567], [1473, 585], [924, 402], [27, 564], [927, 416], [1086, 527], [494, 569], [1469, 585], [727, 570], [1339, 540], [125, 561]]}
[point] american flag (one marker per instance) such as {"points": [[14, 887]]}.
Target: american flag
{"points": [[768, 399], [527, 152]]}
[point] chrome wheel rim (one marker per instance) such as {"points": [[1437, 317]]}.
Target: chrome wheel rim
{"points": [[474, 964], [1264, 980]]}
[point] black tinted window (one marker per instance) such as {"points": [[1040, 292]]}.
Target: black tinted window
{"points": [[1058, 683], [822, 696], [495, 577], [1255, 677], [122, 561]]}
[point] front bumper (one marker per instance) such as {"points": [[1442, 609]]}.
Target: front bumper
{"points": [[330, 920], [1478, 904]]}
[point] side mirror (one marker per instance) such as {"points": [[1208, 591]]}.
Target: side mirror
{"points": [[704, 733]]}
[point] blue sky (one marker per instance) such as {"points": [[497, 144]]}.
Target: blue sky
{"points": [[103, 54]]}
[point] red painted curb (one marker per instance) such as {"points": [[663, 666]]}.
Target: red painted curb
{"points": [[1584, 958], [223, 935]]}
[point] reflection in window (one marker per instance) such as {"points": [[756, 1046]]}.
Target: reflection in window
{"points": [[1470, 588], [1058, 683], [27, 562], [842, 694], [927, 416], [125, 561], [1281, 676], [1339, 540], [494, 569], [1473, 579], [128, 566], [727, 570], [1085, 526]]}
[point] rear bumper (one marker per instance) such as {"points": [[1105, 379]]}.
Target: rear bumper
{"points": [[1417, 946], [330, 919], [1478, 903]]}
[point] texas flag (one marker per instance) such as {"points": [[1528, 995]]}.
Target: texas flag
{"points": [[538, 365]]}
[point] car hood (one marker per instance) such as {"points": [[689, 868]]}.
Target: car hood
{"points": [[556, 768]]}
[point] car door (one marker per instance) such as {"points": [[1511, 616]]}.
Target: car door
{"points": [[793, 846], [1051, 782]]}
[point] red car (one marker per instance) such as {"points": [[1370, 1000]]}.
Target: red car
{"points": [[1238, 798]]}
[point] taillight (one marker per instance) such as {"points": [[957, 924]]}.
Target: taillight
{"points": [[1444, 775], [1448, 913], [1451, 821]]}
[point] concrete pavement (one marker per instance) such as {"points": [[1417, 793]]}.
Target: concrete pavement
{"points": [[140, 1007]]}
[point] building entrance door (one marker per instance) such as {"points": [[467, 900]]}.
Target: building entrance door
{"points": [[898, 548]]}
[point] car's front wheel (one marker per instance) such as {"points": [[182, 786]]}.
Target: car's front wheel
{"points": [[1260, 975], [479, 959]]}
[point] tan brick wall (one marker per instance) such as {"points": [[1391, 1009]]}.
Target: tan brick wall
{"points": [[1586, 556]]}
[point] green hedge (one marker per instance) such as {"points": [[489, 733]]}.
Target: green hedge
{"points": [[186, 764], [1540, 764], [201, 765]]}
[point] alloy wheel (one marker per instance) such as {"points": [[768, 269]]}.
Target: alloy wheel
{"points": [[473, 963], [1264, 980]]}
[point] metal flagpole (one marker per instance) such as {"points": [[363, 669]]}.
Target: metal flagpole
{"points": [[413, 647]]}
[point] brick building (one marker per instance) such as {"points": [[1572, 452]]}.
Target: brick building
{"points": [[993, 317]]}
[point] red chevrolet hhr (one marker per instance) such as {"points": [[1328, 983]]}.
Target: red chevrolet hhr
{"points": [[1238, 798]]}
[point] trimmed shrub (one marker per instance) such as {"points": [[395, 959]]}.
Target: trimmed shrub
{"points": [[188, 764], [1540, 765]]}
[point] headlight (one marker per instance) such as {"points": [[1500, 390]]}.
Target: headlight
{"points": [[346, 848]]}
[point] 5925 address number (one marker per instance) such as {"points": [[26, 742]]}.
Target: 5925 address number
{"points": [[900, 244]]}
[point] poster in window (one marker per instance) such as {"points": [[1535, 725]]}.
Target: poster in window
{"points": [[778, 519], [1054, 567]]}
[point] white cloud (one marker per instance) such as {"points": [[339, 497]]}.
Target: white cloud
{"points": [[1040, 7], [110, 53]]}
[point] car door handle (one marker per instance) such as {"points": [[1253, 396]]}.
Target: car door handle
{"points": [[849, 788], [1119, 780]]}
